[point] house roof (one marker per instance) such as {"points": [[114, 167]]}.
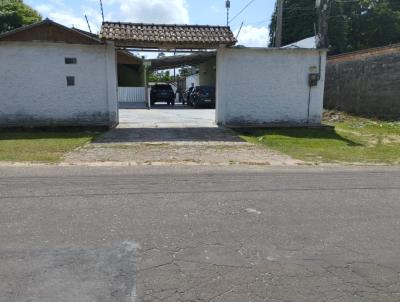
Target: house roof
{"points": [[310, 42], [85, 32], [169, 36], [51, 31]]}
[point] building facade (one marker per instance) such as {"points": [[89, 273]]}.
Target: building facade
{"points": [[261, 86], [55, 76]]}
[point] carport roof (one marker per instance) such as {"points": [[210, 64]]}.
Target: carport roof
{"points": [[167, 36], [182, 60]]}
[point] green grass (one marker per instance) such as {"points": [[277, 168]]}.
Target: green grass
{"points": [[354, 140], [40, 146]]}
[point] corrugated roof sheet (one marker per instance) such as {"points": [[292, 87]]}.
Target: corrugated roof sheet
{"points": [[153, 35]]}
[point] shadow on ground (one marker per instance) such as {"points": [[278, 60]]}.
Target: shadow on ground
{"points": [[143, 135], [308, 133]]}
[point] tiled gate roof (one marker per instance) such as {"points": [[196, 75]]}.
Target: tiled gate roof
{"points": [[140, 35]]}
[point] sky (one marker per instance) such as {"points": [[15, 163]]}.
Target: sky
{"points": [[255, 17]]}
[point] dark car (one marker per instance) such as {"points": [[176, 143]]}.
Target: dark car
{"points": [[186, 95], [162, 93], [203, 96]]}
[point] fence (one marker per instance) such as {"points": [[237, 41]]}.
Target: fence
{"points": [[131, 94], [365, 83]]}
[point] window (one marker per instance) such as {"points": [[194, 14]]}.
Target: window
{"points": [[70, 81], [71, 60]]}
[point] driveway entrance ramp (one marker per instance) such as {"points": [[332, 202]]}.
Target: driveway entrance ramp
{"points": [[168, 137]]}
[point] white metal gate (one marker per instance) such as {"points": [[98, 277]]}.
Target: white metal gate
{"points": [[131, 94]]}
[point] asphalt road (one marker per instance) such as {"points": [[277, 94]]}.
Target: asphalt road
{"points": [[199, 234]]}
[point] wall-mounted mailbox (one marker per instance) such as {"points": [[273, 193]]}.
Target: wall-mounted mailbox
{"points": [[313, 79]]}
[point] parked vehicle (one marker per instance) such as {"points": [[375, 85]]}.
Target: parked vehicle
{"points": [[203, 96], [162, 93]]}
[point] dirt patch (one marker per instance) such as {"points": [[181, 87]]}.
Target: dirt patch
{"points": [[179, 153], [175, 146], [391, 139]]}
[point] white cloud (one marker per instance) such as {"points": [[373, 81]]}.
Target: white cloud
{"points": [[57, 11], [44, 9], [70, 20], [252, 36], [146, 11], [153, 11]]}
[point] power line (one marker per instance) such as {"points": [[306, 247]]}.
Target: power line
{"points": [[254, 23], [101, 7], [87, 21], [237, 36], [242, 10]]}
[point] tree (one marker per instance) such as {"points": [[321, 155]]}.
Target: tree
{"points": [[353, 25], [159, 76], [377, 25], [185, 71], [15, 13], [299, 18]]}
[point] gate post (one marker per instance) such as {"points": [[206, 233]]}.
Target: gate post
{"points": [[146, 65]]}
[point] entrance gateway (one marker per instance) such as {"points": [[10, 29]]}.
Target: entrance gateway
{"points": [[199, 40], [254, 86]]}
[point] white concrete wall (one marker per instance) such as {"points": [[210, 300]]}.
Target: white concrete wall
{"points": [[33, 85], [268, 86], [192, 79], [207, 73]]}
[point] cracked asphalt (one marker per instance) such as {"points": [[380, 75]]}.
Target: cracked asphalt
{"points": [[199, 234]]}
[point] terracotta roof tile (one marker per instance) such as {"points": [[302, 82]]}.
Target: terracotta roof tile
{"points": [[158, 35]]}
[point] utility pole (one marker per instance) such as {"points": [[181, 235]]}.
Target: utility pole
{"points": [[228, 6], [323, 7], [279, 20]]}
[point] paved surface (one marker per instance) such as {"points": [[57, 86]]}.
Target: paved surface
{"points": [[167, 116], [167, 136], [199, 234]]}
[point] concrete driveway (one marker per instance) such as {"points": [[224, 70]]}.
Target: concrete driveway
{"points": [[163, 116], [168, 135]]}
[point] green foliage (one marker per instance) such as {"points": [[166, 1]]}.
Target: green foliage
{"points": [[15, 13], [41, 145], [159, 76], [354, 140], [353, 25], [298, 21], [379, 25], [185, 71]]}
